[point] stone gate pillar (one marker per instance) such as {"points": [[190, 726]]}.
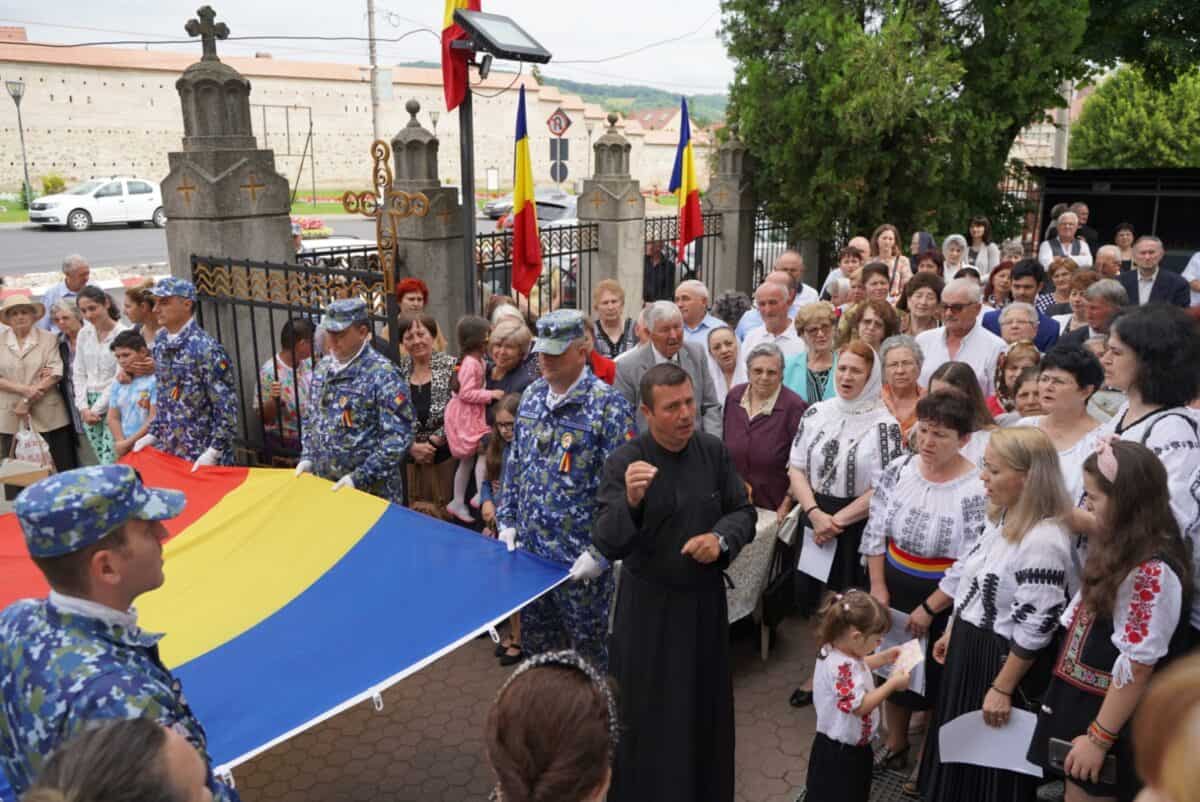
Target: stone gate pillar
{"points": [[429, 247], [612, 198], [222, 196], [730, 195]]}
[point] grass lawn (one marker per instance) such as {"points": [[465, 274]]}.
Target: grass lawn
{"points": [[13, 213], [667, 200]]}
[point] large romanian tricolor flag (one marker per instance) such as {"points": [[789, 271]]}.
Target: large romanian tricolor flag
{"points": [[683, 184], [285, 603], [455, 79], [526, 244]]}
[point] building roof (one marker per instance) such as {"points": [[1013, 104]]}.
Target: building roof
{"points": [[654, 119]]}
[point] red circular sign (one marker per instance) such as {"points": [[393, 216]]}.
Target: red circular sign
{"points": [[559, 122]]}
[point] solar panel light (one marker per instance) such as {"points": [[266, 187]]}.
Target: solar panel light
{"points": [[500, 36]]}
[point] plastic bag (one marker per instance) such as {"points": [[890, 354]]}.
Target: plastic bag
{"points": [[29, 446]]}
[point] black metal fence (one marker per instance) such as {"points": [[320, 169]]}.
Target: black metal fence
{"points": [[700, 256], [771, 239], [566, 279], [246, 306]]}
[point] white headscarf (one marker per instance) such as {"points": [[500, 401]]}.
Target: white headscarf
{"points": [[871, 396], [740, 376]]}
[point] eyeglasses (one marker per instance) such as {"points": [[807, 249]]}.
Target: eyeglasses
{"points": [[954, 309], [500, 425], [813, 331]]}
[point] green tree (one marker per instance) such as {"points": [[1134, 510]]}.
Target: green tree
{"points": [[896, 110], [1160, 36], [1129, 122]]}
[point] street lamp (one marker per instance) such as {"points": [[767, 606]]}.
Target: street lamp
{"points": [[16, 90], [433, 117], [590, 127]]}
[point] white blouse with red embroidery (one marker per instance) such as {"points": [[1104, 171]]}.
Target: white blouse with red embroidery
{"points": [[1149, 603], [840, 683]]}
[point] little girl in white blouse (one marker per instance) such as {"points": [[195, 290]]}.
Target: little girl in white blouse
{"points": [[845, 697]]}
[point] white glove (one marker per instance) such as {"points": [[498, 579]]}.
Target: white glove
{"points": [[143, 441], [304, 466], [586, 567], [508, 536], [345, 481], [209, 457]]}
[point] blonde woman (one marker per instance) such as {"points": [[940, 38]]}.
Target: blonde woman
{"points": [[1009, 590], [614, 332]]}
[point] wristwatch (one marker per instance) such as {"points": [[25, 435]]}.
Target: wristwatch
{"points": [[723, 544]]}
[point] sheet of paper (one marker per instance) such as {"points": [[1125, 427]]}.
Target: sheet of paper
{"points": [[816, 561], [967, 739], [899, 635]]}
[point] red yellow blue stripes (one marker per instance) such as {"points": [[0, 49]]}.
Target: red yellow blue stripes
{"points": [[526, 244], [455, 79], [684, 185], [920, 567]]}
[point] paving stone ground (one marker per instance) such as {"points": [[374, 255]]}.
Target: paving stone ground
{"points": [[427, 742]]}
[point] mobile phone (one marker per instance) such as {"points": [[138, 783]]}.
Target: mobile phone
{"points": [[1059, 749]]}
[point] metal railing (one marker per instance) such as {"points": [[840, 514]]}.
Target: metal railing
{"points": [[699, 260], [245, 305], [771, 239], [566, 279]]}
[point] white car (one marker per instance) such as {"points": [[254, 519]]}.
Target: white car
{"points": [[119, 199]]}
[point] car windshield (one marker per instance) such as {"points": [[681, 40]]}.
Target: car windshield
{"points": [[86, 187]]}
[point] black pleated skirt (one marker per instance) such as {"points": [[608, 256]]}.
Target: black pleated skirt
{"points": [[838, 772], [907, 592], [974, 658], [847, 570]]}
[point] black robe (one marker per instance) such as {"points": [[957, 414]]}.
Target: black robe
{"points": [[669, 649]]}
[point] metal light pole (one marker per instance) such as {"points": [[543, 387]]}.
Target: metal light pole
{"points": [[590, 127], [16, 90], [433, 117], [376, 128]]}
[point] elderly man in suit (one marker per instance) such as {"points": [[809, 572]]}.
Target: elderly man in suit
{"points": [[664, 324], [1150, 285]]}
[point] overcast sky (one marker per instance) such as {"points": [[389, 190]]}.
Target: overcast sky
{"points": [[588, 30]]}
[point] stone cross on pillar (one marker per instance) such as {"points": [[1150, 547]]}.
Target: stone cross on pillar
{"points": [[208, 32]]}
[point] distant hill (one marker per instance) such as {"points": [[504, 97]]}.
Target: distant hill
{"points": [[705, 109]]}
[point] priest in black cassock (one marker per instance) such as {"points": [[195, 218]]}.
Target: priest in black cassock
{"points": [[672, 506]]}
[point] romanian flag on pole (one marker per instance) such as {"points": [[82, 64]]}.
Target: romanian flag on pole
{"points": [[683, 184], [454, 62], [526, 245]]}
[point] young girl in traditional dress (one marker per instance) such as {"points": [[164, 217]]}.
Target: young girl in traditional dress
{"points": [[466, 414], [1120, 625], [845, 697]]}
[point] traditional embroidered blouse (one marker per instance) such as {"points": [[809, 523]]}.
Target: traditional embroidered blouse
{"points": [[914, 517], [842, 455], [1071, 461], [1174, 437], [1017, 590], [1144, 618], [840, 683]]}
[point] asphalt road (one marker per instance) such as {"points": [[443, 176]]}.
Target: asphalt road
{"points": [[32, 249]]}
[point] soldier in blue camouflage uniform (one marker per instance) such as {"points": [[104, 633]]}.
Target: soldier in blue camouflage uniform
{"points": [[79, 656], [568, 423], [196, 406], [361, 416]]}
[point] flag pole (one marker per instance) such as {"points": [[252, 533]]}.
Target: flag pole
{"points": [[466, 145]]}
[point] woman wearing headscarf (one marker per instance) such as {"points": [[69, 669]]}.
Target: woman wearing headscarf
{"points": [[954, 248], [725, 364]]}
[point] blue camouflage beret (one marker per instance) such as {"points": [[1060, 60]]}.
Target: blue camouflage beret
{"points": [[557, 330], [173, 285], [344, 313], [72, 510]]}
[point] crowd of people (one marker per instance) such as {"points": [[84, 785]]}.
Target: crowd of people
{"points": [[999, 451]]}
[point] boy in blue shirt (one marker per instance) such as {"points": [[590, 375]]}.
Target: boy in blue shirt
{"points": [[130, 406]]}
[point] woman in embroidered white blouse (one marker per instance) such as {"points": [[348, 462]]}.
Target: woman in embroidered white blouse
{"points": [[95, 368], [1118, 626], [1009, 591]]}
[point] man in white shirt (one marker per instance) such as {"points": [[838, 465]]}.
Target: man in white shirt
{"points": [[76, 273], [792, 263], [771, 301], [962, 338], [1192, 274], [753, 319], [1066, 244], [691, 297]]}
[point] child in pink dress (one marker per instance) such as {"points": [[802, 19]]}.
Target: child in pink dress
{"points": [[466, 414]]}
